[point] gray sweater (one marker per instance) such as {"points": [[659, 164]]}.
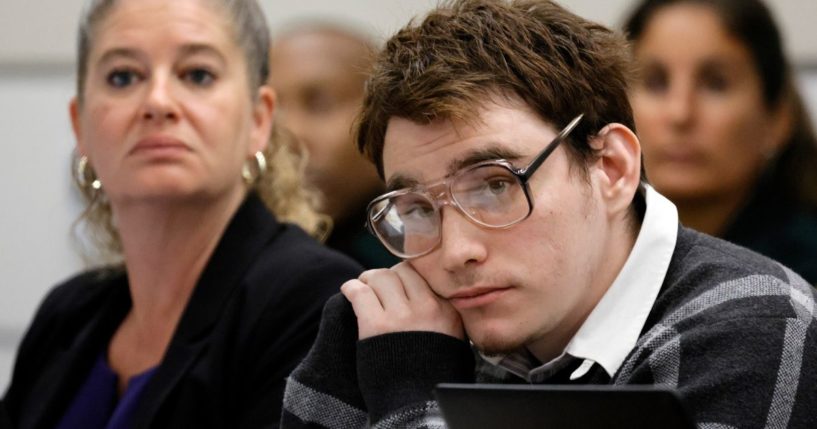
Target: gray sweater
{"points": [[734, 332]]}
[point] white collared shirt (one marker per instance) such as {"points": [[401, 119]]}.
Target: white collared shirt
{"points": [[613, 327]]}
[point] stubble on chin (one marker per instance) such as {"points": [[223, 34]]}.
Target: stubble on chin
{"points": [[495, 344]]}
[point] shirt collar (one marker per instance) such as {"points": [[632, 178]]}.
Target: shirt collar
{"points": [[613, 327]]}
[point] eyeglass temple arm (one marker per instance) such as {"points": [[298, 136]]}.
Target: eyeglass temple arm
{"points": [[380, 213], [551, 147], [374, 218]]}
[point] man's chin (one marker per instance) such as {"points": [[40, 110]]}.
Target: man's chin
{"points": [[496, 345], [494, 336]]}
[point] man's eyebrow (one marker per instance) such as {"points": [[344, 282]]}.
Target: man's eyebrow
{"points": [[399, 181], [489, 153]]}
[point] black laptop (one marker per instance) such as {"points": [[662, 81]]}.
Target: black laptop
{"points": [[498, 406]]}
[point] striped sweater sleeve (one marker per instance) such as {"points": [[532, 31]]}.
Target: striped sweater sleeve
{"points": [[382, 382]]}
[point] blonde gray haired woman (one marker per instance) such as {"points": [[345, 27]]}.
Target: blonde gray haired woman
{"points": [[214, 298]]}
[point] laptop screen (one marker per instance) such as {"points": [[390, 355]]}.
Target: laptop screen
{"points": [[488, 406]]}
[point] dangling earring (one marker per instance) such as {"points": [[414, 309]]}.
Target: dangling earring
{"points": [[251, 178], [86, 176]]}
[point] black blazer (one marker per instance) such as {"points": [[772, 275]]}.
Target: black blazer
{"points": [[251, 318]]}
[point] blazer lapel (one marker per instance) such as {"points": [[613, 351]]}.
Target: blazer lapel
{"points": [[71, 363], [246, 235]]}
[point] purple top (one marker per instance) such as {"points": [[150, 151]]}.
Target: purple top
{"points": [[97, 405]]}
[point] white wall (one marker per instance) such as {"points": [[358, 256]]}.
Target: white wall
{"points": [[39, 206], [36, 82], [43, 30]]}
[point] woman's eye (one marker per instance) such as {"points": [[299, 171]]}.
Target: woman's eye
{"points": [[655, 82], [715, 83], [320, 102], [199, 76], [715, 78], [122, 78]]}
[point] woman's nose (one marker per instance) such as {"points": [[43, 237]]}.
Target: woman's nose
{"points": [[160, 103], [681, 104]]}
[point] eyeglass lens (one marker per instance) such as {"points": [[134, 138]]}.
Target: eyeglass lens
{"points": [[409, 223]]}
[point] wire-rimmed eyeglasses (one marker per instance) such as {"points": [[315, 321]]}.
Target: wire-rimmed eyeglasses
{"points": [[492, 194]]}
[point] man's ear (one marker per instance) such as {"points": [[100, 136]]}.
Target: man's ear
{"points": [[263, 113], [620, 166]]}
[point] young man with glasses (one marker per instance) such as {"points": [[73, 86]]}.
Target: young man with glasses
{"points": [[534, 250]]}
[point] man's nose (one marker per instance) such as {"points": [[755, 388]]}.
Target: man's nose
{"points": [[461, 241]]}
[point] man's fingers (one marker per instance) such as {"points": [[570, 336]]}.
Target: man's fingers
{"points": [[416, 287], [389, 288], [363, 298], [380, 299]]}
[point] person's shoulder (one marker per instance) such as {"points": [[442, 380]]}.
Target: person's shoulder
{"points": [[295, 269], [724, 300], [69, 306], [81, 291], [711, 280], [722, 259], [707, 261], [301, 254]]}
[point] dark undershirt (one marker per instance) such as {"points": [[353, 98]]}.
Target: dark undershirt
{"points": [[97, 404]]}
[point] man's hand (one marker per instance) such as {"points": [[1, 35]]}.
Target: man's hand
{"points": [[398, 299]]}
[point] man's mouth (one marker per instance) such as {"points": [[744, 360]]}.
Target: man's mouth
{"points": [[476, 297]]}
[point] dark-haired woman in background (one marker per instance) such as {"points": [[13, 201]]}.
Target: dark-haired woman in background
{"points": [[724, 132], [213, 299]]}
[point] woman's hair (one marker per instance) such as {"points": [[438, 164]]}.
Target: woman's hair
{"points": [[794, 169], [281, 186]]}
